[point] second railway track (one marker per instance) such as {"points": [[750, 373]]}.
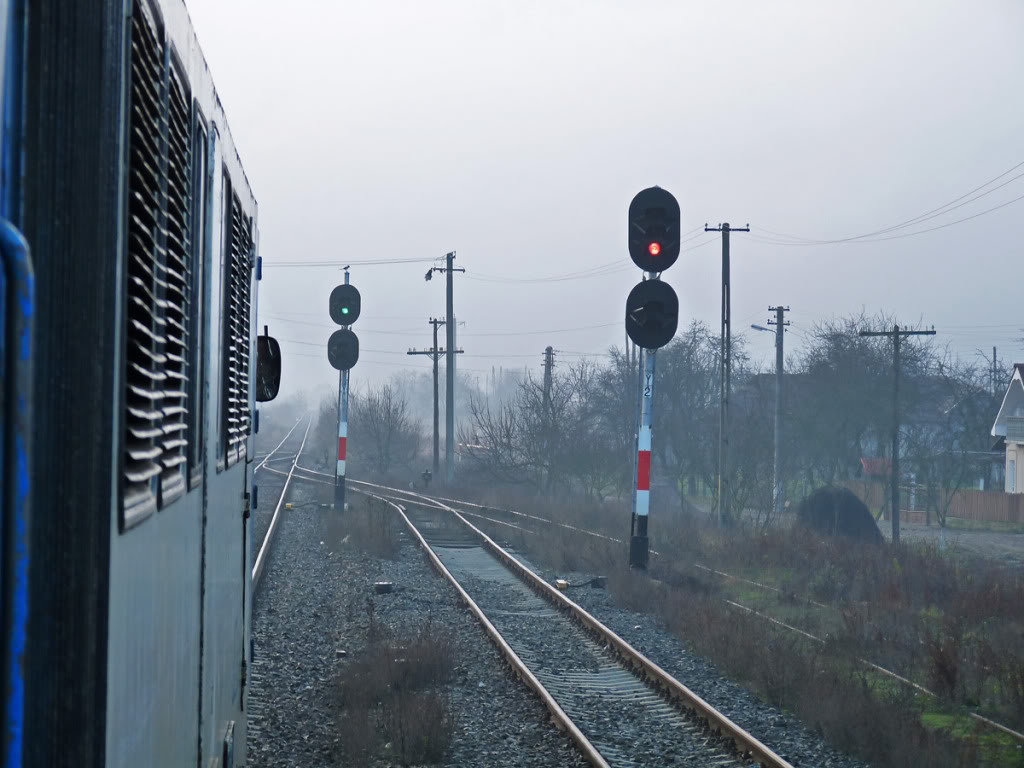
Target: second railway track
{"points": [[619, 707], [265, 516]]}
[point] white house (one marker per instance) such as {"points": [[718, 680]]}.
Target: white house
{"points": [[1010, 426]]}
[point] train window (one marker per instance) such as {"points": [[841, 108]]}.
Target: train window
{"points": [[237, 283], [197, 307], [144, 374]]}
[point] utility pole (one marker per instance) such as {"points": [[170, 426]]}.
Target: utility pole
{"points": [[780, 324], [725, 372], [546, 413], [896, 334], [995, 373], [549, 364], [437, 406], [435, 354], [449, 417]]}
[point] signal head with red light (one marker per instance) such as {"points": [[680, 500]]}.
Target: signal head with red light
{"points": [[654, 230]]}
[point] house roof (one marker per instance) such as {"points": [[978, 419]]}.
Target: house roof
{"points": [[1013, 401]]}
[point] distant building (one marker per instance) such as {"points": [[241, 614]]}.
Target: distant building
{"points": [[1009, 429]]}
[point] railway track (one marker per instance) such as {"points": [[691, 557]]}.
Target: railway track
{"points": [[264, 460], [619, 708], [440, 502], [260, 561]]}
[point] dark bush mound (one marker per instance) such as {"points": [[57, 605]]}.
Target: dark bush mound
{"points": [[832, 510]]}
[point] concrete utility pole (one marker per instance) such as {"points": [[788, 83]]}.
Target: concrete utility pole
{"points": [[995, 373], [780, 324], [725, 372], [449, 417], [435, 354], [549, 364], [896, 335], [546, 411]]}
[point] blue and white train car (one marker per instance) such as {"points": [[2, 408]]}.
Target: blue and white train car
{"points": [[128, 329]]}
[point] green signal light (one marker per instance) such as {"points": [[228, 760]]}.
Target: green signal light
{"points": [[344, 310]]}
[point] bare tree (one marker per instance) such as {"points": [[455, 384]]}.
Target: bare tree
{"points": [[948, 441], [552, 440], [382, 430]]}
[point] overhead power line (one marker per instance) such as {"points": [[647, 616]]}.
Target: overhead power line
{"points": [[347, 262], [481, 333], [885, 233]]}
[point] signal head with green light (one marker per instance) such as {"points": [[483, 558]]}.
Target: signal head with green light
{"points": [[345, 304]]}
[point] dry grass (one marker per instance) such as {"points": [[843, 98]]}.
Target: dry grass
{"points": [[368, 525], [391, 697]]}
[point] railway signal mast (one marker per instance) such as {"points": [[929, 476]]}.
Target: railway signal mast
{"points": [[652, 315], [343, 352]]}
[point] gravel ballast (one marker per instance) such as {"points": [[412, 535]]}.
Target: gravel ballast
{"points": [[310, 617]]}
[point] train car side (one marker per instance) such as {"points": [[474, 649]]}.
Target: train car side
{"points": [[144, 230]]}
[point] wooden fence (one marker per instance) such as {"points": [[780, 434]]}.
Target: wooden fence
{"points": [[968, 504], [988, 506]]}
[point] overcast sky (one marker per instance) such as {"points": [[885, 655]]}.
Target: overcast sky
{"points": [[516, 133]]}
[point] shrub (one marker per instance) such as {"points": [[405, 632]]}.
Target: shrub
{"points": [[389, 694]]}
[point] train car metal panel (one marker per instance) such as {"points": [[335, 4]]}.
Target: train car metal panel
{"points": [[181, 574], [139, 583]]}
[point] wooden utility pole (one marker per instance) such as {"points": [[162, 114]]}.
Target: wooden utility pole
{"points": [[896, 334]]}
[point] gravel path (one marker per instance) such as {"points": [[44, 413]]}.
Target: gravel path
{"points": [[311, 606], [781, 732], [1001, 547]]}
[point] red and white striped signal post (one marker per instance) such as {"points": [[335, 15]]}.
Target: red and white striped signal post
{"points": [[652, 314], [343, 352], [339, 478], [638, 543]]}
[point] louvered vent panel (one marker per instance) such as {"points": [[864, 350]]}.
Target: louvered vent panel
{"points": [[244, 287], [144, 344], [238, 323], [177, 274]]}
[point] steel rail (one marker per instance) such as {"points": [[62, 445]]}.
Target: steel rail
{"points": [[267, 458], [748, 746], [866, 662], [261, 558], [561, 719]]}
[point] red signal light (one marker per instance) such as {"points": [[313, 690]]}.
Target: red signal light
{"points": [[654, 249]]}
